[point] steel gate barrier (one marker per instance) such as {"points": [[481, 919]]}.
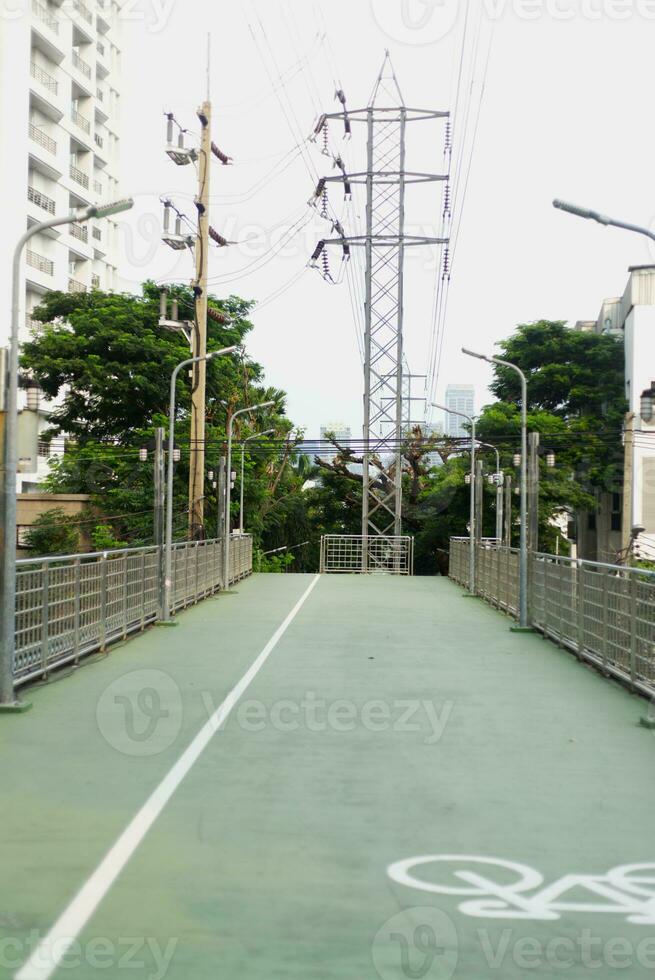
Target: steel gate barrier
{"points": [[352, 554]]}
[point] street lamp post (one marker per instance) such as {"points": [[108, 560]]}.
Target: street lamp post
{"points": [[257, 435], [602, 219], [471, 420], [168, 560], [228, 488], [10, 460], [499, 492], [523, 556]]}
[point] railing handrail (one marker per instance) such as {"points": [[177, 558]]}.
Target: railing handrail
{"points": [[119, 551]]}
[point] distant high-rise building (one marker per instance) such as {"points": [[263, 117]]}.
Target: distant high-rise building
{"points": [[459, 398], [339, 430]]}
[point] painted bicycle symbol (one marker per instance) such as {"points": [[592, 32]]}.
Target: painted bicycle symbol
{"points": [[497, 889]]}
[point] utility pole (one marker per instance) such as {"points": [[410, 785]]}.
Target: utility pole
{"points": [[628, 482], [508, 511], [159, 505], [220, 527], [479, 500], [533, 492], [199, 337]]}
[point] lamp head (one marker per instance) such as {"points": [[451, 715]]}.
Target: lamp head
{"points": [[107, 210]]}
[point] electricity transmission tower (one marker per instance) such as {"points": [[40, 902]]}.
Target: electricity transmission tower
{"points": [[385, 392]]}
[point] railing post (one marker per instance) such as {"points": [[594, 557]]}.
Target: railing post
{"points": [[604, 574], [633, 583], [45, 615], [102, 633], [77, 604], [580, 603], [144, 590], [126, 574]]}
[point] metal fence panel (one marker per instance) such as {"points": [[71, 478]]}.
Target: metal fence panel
{"points": [[67, 607], [604, 613], [354, 554]]}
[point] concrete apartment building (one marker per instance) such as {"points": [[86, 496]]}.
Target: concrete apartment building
{"points": [[59, 149], [606, 533]]}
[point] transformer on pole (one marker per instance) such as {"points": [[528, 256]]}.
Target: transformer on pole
{"points": [[386, 179]]}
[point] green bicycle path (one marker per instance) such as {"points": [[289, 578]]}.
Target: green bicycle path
{"points": [[395, 718]]}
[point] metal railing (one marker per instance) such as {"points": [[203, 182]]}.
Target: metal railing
{"points": [[39, 262], [44, 14], [41, 137], [83, 11], [40, 75], [81, 121], [79, 176], [81, 232], [354, 554], [81, 65], [41, 200], [604, 613], [74, 286], [71, 606]]}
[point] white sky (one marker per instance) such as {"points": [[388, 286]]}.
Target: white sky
{"points": [[567, 113]]}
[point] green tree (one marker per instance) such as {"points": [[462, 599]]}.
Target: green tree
{"points": [[576, 401], [53, 533]]}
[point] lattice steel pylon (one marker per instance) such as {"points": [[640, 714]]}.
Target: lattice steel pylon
{"points": [[386, 179]]}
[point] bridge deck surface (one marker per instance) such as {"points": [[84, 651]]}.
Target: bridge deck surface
{"points": [[394, 718]]}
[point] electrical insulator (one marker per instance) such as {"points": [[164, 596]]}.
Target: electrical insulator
{"points": [[163, 304], [167, 216], [448, 139], [467, 479], [180, 141], [215, 237], [317, 253], [550, 461], [143, 455], [491, 480], [177, 455], [326, 139], [178, 226], [446, 263], [517, 460], [176, 309], [324, 205], [210, 476]]}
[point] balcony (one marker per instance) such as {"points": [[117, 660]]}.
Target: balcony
{"points": [[76, 287], [43, 78], [41, 137], [81, 232], [41, 200], [79, 177], [40, 263], [45, 15], [83, 11], [81, 65], [81, 121]]}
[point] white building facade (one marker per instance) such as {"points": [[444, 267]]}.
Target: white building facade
{"points": [[59, 150], [631, 316]]}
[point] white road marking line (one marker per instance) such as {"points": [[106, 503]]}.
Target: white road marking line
{"points": [[50, 952]]}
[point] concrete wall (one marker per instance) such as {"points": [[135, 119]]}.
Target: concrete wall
{"points": [[29, 506]]}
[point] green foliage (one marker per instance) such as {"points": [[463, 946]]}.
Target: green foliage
{"points": [[104, 539], [53, 533]]}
